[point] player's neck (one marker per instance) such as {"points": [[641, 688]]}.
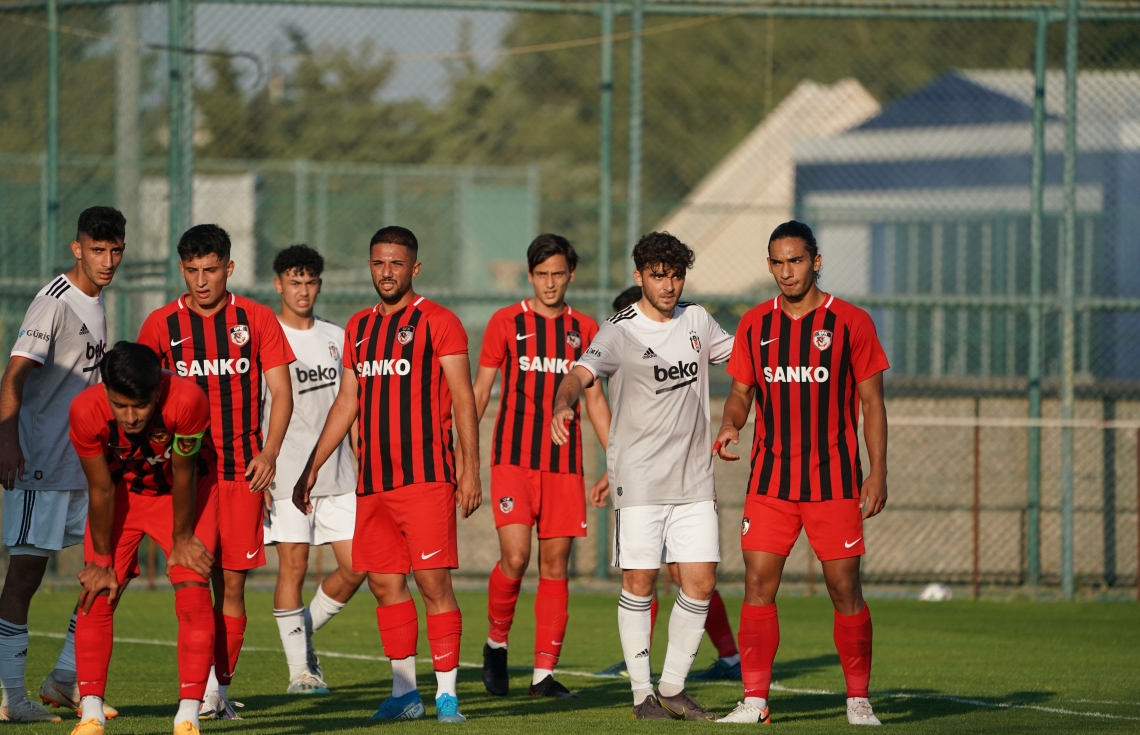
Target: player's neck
{"points": [[293, 320], [80, 280], [207, 310], [653, 314], [811, 301], [385, 308], [550, 312]]}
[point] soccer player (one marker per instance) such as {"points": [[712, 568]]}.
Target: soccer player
{"points": [[657, 355], [535, 343], [229, 345], [55, 356], [316, 374], [406, 369], [139, 437], [810, 361], [727, 665]]}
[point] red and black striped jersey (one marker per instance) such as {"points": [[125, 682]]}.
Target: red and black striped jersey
{"points": [[534, 353], [404, 400], [141, 462], [805, 372], [226, 354]]}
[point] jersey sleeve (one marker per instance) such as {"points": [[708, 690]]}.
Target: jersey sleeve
{"points": [[603, 357], [191, 417], [348, 349], [41, 321], [151, 334], [86, 427], [741, 365], [447, 334], [493, 351], [867, 355], [275, 350], [720, 342]]}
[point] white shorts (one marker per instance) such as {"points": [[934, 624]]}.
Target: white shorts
{"points": [[333, 519], [690, 531], [40, 521]]}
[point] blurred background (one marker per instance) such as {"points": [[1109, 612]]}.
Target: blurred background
{"points": [[971, 169]]}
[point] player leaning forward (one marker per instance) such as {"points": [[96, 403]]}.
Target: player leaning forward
{"points": [[657, 355], [56, 356], [139, 436], [809, 360], [406, 366]]}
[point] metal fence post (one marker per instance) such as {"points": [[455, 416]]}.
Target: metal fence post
{"points": [[300, 200], [605, 225], [186, 99], [51, 158], [1068, 313], [1036, 230], [633, 213], [174, 150]]}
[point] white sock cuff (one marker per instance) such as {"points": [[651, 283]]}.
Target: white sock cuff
{"points": [[689, 605], [279, 613], [327, 602], [635, 603], [11, 629]]}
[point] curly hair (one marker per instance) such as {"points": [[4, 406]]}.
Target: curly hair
{"points": [[661, 248], [300, 258]]}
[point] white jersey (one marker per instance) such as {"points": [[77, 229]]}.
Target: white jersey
{"points": [[65, 332], [660, 452], [315, 376]]}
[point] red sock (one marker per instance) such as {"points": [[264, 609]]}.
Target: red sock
{"points": [[195, 640], [759, 639], [229, 634], [853, 641], [718, 628], [550, 615], [502, 595], [399, 629], [652, 618], [444, 631], [94, 633]]}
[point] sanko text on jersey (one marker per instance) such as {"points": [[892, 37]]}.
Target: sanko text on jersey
{"points": [[227, 366], [545, 365], [803, 374], [372, 368]]}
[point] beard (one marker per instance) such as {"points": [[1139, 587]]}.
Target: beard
{"points": [[393, 297]]}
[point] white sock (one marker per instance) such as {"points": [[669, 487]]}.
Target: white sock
{"points": [[634, 629], [732, 660], [322, 608], [188, 712], [222, 689], [445, 682], [91, 708], [13, 659], [403, 676], [212, 682], [291, 627], [756, 702], [66, 660], [496, 644], [686, 629], [640, 695], [540, 674]]}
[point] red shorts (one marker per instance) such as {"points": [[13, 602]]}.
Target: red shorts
{"points": [[834, 527], [411, 527], [153, 515], [556, 500], [240, 517]]}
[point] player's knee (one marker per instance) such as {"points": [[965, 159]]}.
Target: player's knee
{"points": [[514, 563], [845, 591], [25, 573]]}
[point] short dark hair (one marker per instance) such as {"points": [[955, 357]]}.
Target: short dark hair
{"points": [[202, 240], [548, 245], [396, 235], [102, 224], [799, 231], [661, 248], [132, 370], [300, 258], [627, 297]]}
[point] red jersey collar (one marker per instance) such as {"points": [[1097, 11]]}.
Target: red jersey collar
{"points": [[182, 301]]}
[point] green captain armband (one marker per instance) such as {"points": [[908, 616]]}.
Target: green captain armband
{"points": [[188, 446]]}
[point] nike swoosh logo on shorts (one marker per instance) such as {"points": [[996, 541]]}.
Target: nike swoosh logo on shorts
{"points": [[175, 344], [583, 524], [849, 545], [428, 556], [251, 554], [768, 342], [521, 337]]}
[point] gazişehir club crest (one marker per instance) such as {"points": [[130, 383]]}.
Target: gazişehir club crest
{"points": [[334, 352], [160, 436], [695, 341], [405, 334], [821, 338], [574, 340], [744, 525], [506, 505], [239, 335]]}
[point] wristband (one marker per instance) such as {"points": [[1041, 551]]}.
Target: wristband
{"points": [[103, 560]]}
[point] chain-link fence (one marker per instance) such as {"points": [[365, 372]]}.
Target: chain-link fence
{"points": [[972, 170]]}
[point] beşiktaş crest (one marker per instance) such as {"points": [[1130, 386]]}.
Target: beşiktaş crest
{"points": [[695, 341], [239, 335], [821, 338], [334, 352], [574, 340], [405, 334]]}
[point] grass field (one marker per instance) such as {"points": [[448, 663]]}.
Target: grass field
{"points": [[939, 667]]}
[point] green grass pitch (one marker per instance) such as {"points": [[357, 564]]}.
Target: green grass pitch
{"points": [[999, 667]]}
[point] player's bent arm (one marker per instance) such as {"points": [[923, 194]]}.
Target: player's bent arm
{"points": [[186, 549], [569, 391], [873, 497], [263, 468], [98, 575], [341, 417], [484, 382], [11, 398], [736, 409], [598, 409], [457, 373]]}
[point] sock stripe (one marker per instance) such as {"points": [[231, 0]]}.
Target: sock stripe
{"points": [[634, 605], [287, 613], [695, 607], [9, 629]]}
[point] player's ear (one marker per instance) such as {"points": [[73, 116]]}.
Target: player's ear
{"points": [[229, 268], [572, 272], [637, 278], [277, 285], [77, 249], [416, 269]]}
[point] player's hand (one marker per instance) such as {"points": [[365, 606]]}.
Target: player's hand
{"points": [[873, 496], [560, 425], [97, 580], [599, 491], [11, 459], [261, 471], [190, 553], [469, 493], [301, 492], [727, 435], [267, 496]]}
